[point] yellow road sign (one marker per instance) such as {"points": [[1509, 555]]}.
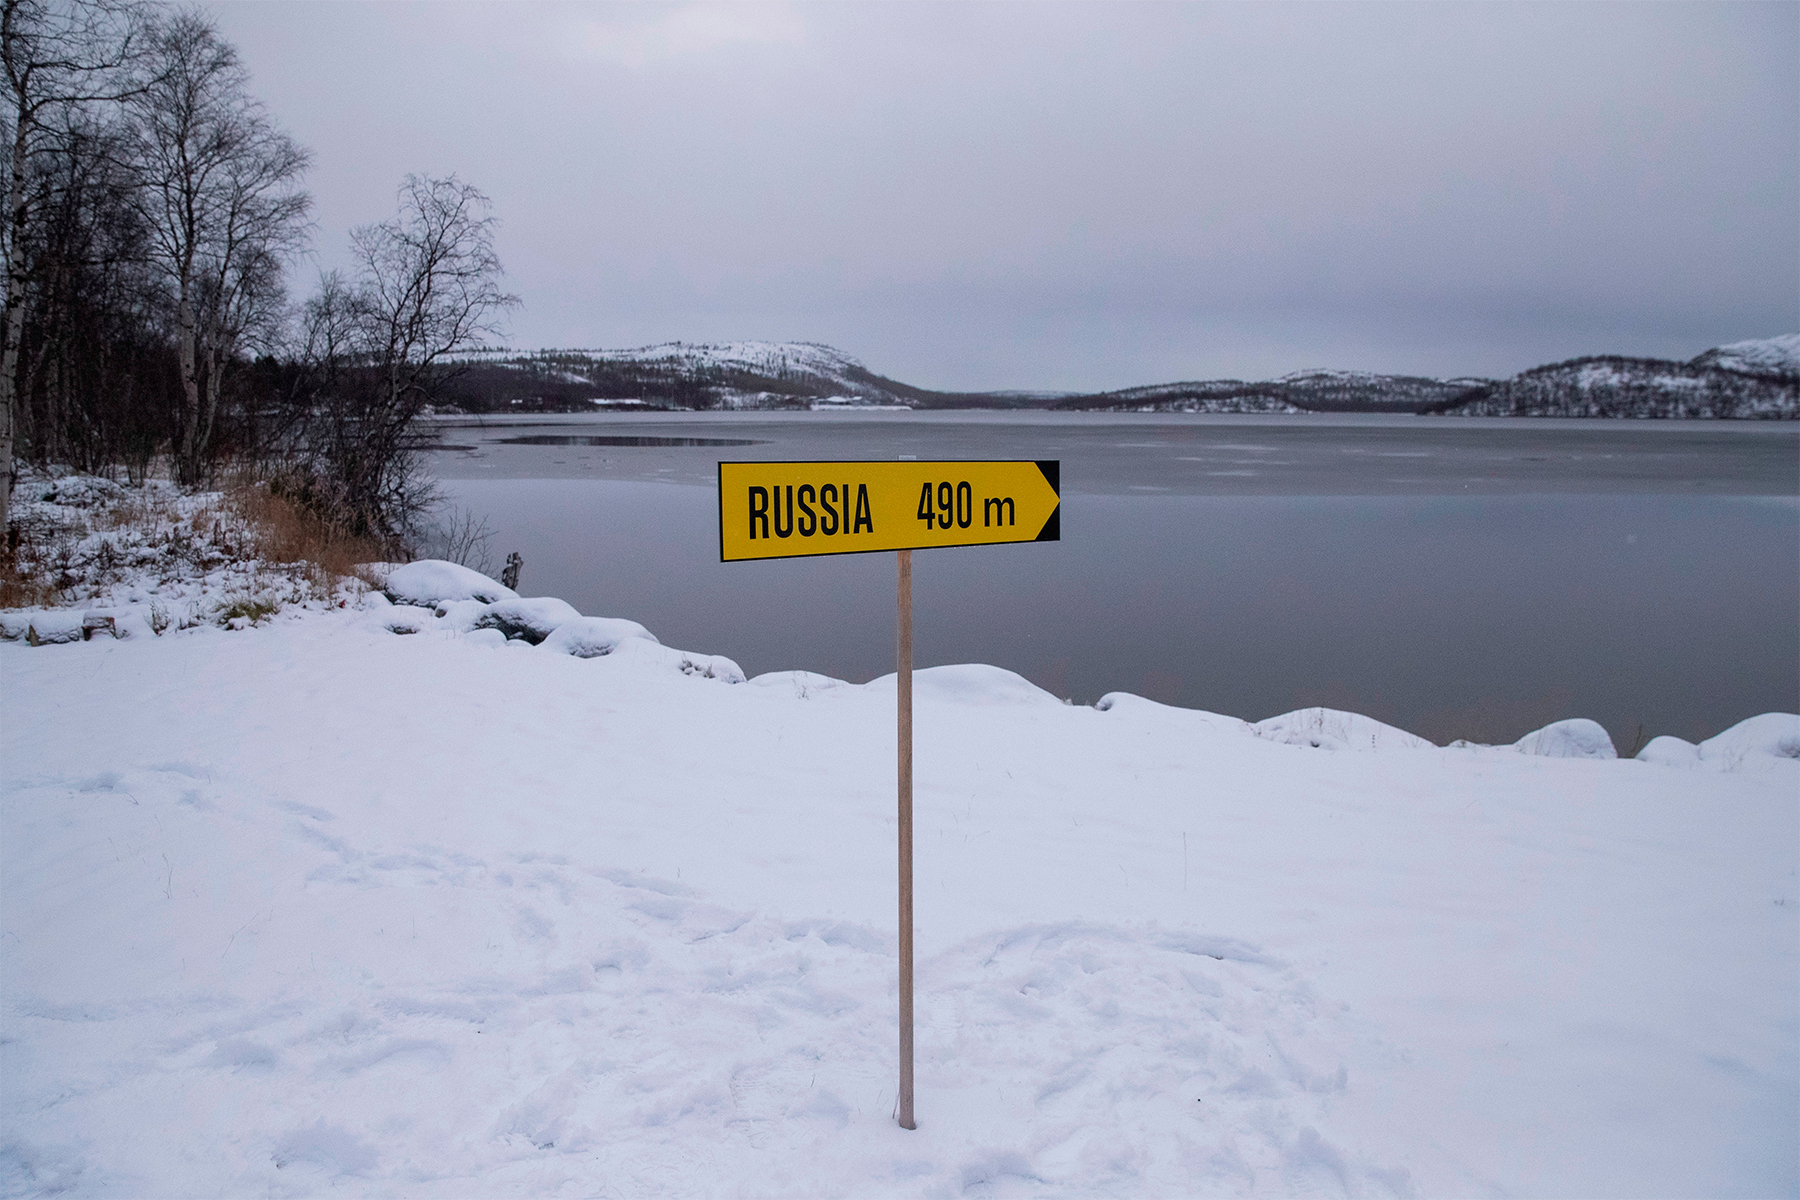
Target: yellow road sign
{"points": [[797, 509]]}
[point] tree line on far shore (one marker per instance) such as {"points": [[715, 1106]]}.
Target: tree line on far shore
{"points": [[154, 210]]}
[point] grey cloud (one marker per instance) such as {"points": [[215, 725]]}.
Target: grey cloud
{"points": [[1076, 196]]}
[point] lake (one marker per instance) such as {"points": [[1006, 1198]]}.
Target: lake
{"points": [[1459, 578]]}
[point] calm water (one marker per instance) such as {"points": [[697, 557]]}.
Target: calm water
{"points": [[1457, 578]]}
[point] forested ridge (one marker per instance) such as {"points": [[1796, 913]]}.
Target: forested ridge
{"points": [[1615, 386]]}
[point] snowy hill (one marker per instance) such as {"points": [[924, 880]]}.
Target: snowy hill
{"points": [[1717, 384], [728, 375], [1776, 356], [1316, 390]]}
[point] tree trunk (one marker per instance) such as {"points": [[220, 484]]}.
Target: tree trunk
{"points": [[215, 362], [188, 464], [15, 314]]}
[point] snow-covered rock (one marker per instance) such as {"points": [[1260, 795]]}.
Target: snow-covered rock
{"points": [[637, 652], [405, 618], [709, 666], [486, 637], [1577, 737], [122, 623], [1754, 742], [80, 491], [433, 581], [1332, 729], [1670, 751], [460, 616], [55, 626], [1770, 740], [971, 683], [532, 619], [16, 624], [591, 637]]}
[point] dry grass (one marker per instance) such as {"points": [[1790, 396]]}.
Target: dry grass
{"points": [[20, 585], [17, 591], [285, 532]]}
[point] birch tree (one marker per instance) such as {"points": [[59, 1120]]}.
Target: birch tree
{"points": [[219, 192]]}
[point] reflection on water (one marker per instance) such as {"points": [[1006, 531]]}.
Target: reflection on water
{"points": [[1479, 612]]}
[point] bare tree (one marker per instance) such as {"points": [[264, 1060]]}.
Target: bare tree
{"points": [[56, 55], [219, 192], [427, 286], [430, 284]]}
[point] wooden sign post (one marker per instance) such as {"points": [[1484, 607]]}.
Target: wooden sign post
{"points": [[903, 719], [802, 509]]}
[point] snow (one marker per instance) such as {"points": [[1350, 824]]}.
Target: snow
{"points": [[311, 908], [1575, 738]]}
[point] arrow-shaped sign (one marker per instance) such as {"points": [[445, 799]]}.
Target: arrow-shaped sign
{"points": [[798, 509]]}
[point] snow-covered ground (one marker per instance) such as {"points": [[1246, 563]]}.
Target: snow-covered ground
{"points": [[375, 900]]}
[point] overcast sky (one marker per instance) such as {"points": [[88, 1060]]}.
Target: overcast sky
{"points": [[1069, 196]]}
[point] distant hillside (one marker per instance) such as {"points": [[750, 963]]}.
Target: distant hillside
{"points": [[1303, 391], [1759, 379], [1743, 379], [687, 375]]}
